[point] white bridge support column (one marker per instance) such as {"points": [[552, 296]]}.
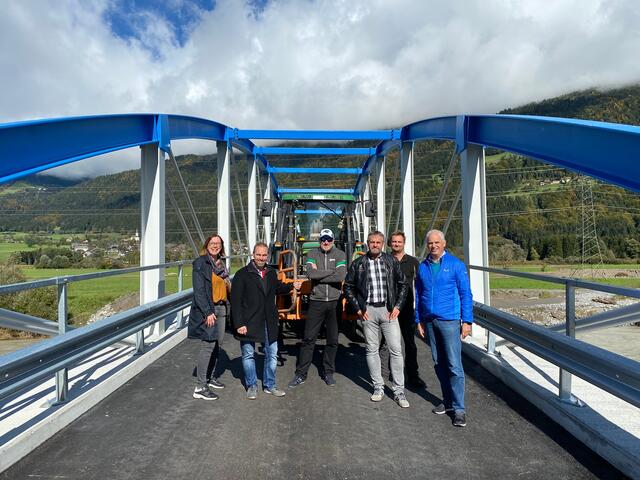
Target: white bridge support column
{"points": [[252, 221], [267, 220], [358, 214], [152, 227], [406, 185], [366, 221], [224, 195], [474, 223], [381, 219]]}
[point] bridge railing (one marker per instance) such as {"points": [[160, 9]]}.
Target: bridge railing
{"points": [[22, 322], [30, 365], [613, 373]]}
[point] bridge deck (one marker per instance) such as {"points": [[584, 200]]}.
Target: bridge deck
{"points": [[153, 428]]}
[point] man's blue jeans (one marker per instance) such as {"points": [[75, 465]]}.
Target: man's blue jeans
{"points": [[249, 364], [446, 351]]}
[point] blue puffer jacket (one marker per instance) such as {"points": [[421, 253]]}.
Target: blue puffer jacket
{"points": [[447, 296]]}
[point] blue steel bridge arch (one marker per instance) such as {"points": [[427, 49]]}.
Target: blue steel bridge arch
{"points": [[602, 150]]}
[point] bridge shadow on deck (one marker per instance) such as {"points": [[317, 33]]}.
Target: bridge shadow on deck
{"points": [[153, 428]]}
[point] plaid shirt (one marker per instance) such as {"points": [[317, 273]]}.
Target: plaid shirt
{"points": [[377, 280]]}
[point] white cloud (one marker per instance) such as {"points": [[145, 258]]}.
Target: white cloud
{"points": [[316, 64]]}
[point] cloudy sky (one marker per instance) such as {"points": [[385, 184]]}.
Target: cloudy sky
{"points": [[308, 64]]}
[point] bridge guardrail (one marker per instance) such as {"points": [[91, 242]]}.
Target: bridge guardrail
{"points": [[24, 367], [613, 373], [576, 283], [16, 287], [54, 354]]}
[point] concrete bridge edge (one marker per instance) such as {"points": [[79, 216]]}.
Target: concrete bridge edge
{"points": [[569, 417]]}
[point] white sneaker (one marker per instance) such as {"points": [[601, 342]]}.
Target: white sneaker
{"points": [[402, 400], [378, 395]]}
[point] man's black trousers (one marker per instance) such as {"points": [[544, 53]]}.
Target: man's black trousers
{"points": [[319, 313]]}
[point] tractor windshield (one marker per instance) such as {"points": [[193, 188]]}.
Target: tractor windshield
{"points": [[312, 217]]}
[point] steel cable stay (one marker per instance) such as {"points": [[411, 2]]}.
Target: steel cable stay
{"points": [[185, 228], [187, 197], [443, 191]]}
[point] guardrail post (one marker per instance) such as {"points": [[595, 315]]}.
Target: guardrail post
{"points": [[491, 342], [564, 391], [62, 376], [139, 343], [180, 315], [491, 337]]}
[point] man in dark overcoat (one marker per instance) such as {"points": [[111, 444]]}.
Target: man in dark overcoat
{"points": [[255, 318]]}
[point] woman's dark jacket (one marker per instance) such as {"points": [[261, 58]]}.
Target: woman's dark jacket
{"points": [[202, 305], [253, 301], [356, 284]]}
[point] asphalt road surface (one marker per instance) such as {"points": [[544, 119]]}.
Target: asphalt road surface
{"points": [[152, 428]]}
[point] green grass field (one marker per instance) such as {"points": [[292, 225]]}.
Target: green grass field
{"points": [[500, 281], [491, 159], [504, 283], [550, 268], [88, 296], [6, 249]]}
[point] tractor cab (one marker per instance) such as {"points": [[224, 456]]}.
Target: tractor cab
{"points": [[301, 217], [299, 220]]}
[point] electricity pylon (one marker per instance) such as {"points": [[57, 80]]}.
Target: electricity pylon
{"points": [[590, 254]]}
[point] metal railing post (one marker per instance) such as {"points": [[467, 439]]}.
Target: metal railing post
{"points": [[180, 314], [62, 376], [564, 391], [139, 343], [491, 342], [491, 337]]}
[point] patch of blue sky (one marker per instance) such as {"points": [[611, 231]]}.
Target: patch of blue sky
{"points": [[133, 19], [257, 6]]}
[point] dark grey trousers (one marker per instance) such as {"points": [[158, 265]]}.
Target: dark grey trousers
{"points": [[211, 355]]}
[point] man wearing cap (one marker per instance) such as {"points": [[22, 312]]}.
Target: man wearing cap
{"points": [[326, 268], [377, 289]]}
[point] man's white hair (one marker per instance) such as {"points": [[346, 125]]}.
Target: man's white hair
{"points": [[431, 232]]}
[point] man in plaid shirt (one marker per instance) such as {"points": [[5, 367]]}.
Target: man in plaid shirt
{"points": [[376, 288]]}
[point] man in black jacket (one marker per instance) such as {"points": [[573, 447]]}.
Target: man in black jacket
{"points": [[376, 287], [255, 318]]}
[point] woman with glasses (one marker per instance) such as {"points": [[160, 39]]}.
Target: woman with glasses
{"points": [[208, 317]]}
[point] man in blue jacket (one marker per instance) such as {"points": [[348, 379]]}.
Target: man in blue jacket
{"points": [[444, 306]]}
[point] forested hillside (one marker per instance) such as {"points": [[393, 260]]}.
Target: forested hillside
{"points": [[533, 205], [554, 232]]}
